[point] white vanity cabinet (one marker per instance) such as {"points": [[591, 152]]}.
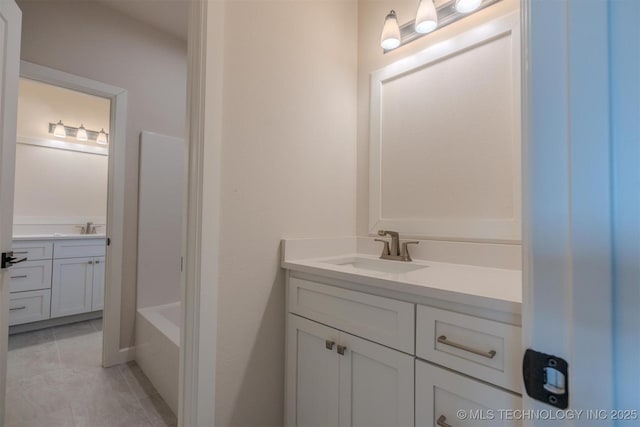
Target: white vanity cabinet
{"points": [[76, 277], [30, 282], [60, 277], [362, 356], [338, 379]]}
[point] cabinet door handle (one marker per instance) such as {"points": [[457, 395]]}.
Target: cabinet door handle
{"points": [[24, 276], [341, 349], [97, 261], [329, 344], [90, 262], [18, 308], [442, 421], [488, 354]]}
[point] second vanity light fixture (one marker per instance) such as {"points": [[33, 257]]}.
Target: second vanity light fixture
{"points": [[428, 19], [81, 134]]}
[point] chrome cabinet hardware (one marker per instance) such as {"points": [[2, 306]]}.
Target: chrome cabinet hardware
{"points": [[442, 339], [23, 276], [89, 262], [341, 349], [97, 261], [442, 421], [329, 344], [18, 308], [20, 252]]}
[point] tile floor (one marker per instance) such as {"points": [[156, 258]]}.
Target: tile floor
{"points": [[55, 380]]}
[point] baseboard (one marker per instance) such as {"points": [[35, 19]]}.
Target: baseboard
{"points": [[127, 354], [58, 321]]}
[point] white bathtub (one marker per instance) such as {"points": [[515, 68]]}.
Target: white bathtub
{"points": [[158, 348]]}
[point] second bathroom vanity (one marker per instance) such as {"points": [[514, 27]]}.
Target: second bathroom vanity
{"points": [[372, 342], [62, 275]]}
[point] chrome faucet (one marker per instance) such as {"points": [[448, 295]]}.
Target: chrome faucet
{"points": [[391, 250]]}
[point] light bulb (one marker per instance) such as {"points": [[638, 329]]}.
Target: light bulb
{"points": [[102, 138], [466, 6], [81, 135], [390, 38], [59, 130], [426, 17]]}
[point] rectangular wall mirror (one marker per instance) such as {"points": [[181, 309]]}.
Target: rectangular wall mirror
{"points": [[445, 138]]}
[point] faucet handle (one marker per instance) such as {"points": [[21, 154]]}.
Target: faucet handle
{"points": [[405, 249], [385, 249]]}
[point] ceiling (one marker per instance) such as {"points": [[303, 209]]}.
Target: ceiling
{"points": [[170, 16]]}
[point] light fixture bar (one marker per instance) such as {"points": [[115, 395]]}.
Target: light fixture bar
{"points": [[447, 14], [73, 132]]}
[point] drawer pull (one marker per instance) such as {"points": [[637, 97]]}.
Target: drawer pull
{"points": [[329, 344], [24, 276], [442, 421], [20, 252], [341, 349], [488, 354], [18, 308]]}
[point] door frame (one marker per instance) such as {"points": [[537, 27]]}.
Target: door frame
{"points": [[111, 352], [202, 212]]}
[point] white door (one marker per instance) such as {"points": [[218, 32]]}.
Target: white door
{"points": [[10, 23], [376, 385], [568, 282], [97, 296], [71, 286], [312, 374]]}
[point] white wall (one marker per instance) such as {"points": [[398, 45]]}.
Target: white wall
{"points": [[92, 41], [371, 58], [288, 156]]}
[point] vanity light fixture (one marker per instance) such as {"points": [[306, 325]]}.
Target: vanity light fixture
{"points": [[467, 6], [58, 129], [426, 17], [102, 138], [390, 38], [431, 15], [80, 134]]}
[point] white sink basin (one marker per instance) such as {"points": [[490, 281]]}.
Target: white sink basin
{"points": [[376, 264]]}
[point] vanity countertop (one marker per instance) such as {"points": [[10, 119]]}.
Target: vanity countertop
{"points": [[57, 236], [484, 287]]}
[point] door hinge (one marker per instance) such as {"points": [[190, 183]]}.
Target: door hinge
{"points": [[546, 378]]}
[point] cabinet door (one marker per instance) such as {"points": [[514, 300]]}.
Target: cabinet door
{"points": [[97, 297], [72, 286], [312, 374], [376, 385], [445, 397]]}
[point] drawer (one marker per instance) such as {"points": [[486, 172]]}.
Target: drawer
{"points": [[477, 347], [441, 394], [382, 320], [33, 249], [79, 248], [31, 275], [25, 307]]}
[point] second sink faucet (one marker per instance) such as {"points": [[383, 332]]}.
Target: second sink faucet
{"points": [[392, 250]]}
